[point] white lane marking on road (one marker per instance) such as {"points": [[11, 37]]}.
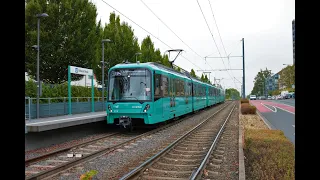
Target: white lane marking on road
{"points": [[275, 109], [284, 109], [285, 103]]}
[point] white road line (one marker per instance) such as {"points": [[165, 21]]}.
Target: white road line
{"points": [[92, 116], [275, 109], [284, 109], [285, 104]]}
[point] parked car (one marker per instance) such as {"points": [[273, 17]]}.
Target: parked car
{"points": [[269, 98], [253, 97], [263, 98], [279, 97], [274, 97], [288, 96]]}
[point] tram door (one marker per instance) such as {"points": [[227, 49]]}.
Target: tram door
{"points": [[172, 95]]}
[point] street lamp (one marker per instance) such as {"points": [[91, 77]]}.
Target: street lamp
{"points": [[38, 59], [103, 41], [138, 53]]}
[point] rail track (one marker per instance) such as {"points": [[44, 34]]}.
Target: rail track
{"points": [[187, 157], [54, 162]]}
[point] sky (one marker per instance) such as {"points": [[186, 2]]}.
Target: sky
{"points": [[266, 27]]}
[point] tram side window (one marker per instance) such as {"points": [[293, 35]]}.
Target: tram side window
{"points": [[157, 86], [164, 86], [177, 85], [182, 82]]}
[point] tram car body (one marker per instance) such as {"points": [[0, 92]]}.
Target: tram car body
{"points": [[150, 93]]}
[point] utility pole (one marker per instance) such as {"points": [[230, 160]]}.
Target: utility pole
{"points": [[244, 86]]}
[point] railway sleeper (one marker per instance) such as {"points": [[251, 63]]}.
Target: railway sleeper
{"points": [[170, 167], [165, 173]]}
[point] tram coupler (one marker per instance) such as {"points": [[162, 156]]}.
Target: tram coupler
{"points": [[125, 121]]}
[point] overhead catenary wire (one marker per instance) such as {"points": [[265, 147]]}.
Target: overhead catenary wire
{"points": [[214, 39], [145, 30], [215, 21], [171, 30]]}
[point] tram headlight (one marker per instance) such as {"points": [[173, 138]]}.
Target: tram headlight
{"points": [[146, 108], [109, 107]]}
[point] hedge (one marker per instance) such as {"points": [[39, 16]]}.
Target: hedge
{"points": [[246, 108], [59, 90]]}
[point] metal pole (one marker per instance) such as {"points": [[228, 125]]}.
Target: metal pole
{"points": [[92, 92], [38, 60], [69, 89], [103, 75], [244, 83]]}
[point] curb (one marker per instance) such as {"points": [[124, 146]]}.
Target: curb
{"points": [[242, 174], [266, 122]]}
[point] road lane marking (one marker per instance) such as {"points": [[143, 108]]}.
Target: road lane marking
{"points": [[275, 109], [285, 104], [284, 109]]}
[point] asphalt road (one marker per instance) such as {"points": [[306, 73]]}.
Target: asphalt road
{"points": [[290, 102], [279, 114]]}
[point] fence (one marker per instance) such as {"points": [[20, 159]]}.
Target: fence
{"points": [[49, 107], [27, 108]]}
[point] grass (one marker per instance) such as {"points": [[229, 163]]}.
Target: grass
{"points": [[88, 175], [269, 155]]}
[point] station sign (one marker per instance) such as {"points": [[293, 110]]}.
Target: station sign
{"points": [[80, 70]]}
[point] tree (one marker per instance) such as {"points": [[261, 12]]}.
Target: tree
{"points": [[259, 82], [193, 74], [232, 93], [287, 76], [202, 78], [165, 60], [147, 50], [67, 37], [123, 46], [206, 79]]}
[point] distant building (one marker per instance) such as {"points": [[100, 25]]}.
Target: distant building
{"points": [[293, 38], [272, 82]]}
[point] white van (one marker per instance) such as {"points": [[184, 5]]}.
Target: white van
{"points": [[253, 97]]}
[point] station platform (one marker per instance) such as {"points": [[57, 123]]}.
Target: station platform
{"points": [[45, 124]]}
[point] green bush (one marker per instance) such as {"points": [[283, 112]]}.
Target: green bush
{"points": [[246, 108], [60, 90], [244, 101]]}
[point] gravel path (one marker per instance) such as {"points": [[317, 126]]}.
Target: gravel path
{"points": [[115, 164]]}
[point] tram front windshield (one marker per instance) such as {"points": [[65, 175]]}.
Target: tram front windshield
{"points": [[130, 85]]}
